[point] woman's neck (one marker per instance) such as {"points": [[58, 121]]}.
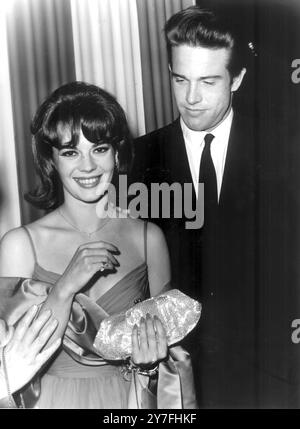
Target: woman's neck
{"points": [[85, 216]]}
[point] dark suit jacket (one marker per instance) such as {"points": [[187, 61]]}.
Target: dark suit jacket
{"points": [[161, 157], [221, 267]]}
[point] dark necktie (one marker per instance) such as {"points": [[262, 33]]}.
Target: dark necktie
{"points": [[207, 175]]}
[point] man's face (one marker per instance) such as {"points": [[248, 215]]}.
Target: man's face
{"points": [[202, 85]]}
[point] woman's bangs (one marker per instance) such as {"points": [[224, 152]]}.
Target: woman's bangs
{"points": [[63, 129], [100, 126]]}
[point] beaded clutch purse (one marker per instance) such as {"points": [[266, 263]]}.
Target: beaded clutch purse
{"points": [[178, 312]]}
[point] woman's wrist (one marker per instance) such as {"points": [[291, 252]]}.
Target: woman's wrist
{"points": [[143, 370], [63, 292]]}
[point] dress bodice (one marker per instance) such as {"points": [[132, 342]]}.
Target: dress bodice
{"points": [[133, 287]]}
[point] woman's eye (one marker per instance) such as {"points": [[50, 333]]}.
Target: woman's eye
{"points": [[68, 153], [101, 149]]}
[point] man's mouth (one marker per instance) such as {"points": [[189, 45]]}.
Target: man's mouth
{"points": [[195, 111], [87, 182]]}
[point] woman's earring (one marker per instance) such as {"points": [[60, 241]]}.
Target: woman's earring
{"points": [[117, 162]]}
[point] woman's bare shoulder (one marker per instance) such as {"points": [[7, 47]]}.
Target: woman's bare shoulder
{"points": [[14, 237], [45, 230], [17, 256], [17, 245]]}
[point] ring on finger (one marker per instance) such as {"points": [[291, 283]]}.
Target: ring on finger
{"points": [[104, 265]]}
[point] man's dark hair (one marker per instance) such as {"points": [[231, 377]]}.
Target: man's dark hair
{"points": [[200, 27], [76, 106]]}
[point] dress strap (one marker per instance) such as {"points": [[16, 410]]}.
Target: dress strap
{"points": [[31, 242], [145, 240]]}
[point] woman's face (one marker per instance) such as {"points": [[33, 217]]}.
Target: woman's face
{"points": [[85, 170]]}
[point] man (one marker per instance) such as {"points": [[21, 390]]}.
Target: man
{"points": [[217, 263]]}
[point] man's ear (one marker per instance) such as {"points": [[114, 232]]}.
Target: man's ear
{"points": [[237, 80]]}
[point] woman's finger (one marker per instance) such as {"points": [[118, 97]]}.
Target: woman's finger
{"points": [[143, 340], [100, 253], [151, 338], [94, 260], [161, 338], [100, 245], [135, 345], [96, 263]]}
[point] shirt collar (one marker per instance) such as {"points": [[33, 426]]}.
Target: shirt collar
{"points": [[221, 130]]}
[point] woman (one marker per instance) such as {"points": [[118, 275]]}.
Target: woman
{"points": [[96, 264], [84, 261]]}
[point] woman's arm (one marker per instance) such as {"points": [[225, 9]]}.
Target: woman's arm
{"points": [[158, 260], [17, 259], [16, 254], [86, 262]]}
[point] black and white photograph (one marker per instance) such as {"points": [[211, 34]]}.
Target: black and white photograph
{"points": [[150, 207]]}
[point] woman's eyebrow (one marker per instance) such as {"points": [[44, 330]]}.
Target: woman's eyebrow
{"points": [[66, 145]]}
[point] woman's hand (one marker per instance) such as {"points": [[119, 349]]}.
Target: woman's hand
{"points": [[23, 347], [149, 343], [87, 260]]}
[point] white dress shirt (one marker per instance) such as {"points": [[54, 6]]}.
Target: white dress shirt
{"points": [[194, 144]]}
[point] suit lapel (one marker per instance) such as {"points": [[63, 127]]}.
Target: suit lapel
{"points": [[237, 177], [176, 153], [177, 156]]}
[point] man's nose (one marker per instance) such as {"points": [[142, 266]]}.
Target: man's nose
{"points": [[194, 94], [87, 164]]}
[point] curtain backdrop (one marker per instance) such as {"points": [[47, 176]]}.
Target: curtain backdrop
{"points": [[116, 44], [41, 58], [9, 193], [107, 52], [160, 107]]}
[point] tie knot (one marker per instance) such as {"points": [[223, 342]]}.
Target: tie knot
{"points": [[208, 139]]}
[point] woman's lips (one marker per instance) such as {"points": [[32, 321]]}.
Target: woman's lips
{"points": [[87, 182]]}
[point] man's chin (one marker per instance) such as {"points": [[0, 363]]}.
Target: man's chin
{"points": [[196, 125]]}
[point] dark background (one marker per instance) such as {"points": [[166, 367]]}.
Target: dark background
{"points": [[269, 94]]}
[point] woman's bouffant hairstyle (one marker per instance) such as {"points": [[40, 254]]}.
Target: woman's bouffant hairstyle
{"points": [[76, 106]]}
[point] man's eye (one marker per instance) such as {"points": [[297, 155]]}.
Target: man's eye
{"points": [[209, 82], [179, 80], [68, 153]]}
